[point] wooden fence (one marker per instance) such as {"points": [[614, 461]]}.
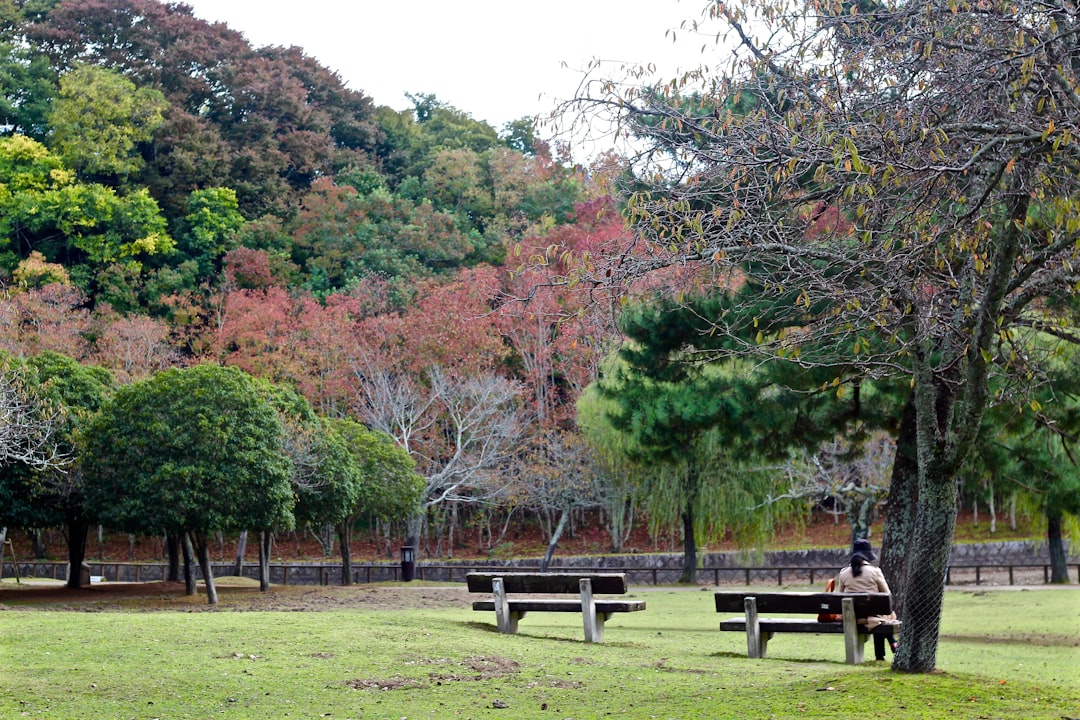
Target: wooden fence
{"points": [[330, 573]]}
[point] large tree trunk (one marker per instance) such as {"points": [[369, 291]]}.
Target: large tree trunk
{"points": [[265, 537], [344, 533], [190, 587], [689, 573], [202, 547], [39, 548], [241, 549], [172, 549], [1059, 570], [554, 541], [900, 508], [414, 526], [926, 569], [77, 530]]}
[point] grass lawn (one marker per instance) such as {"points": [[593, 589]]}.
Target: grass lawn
{"points": [[1004, 654]]}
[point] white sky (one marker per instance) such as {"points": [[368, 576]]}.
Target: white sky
{"points": [[498, 60]]}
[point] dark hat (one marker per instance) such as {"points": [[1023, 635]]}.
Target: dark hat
{"points": [[862, 547]]}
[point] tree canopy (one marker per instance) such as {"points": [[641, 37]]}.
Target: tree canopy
{"points": [[189, 451]]}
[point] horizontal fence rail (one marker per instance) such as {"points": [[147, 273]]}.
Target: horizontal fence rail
{"points": [[330, 573]]}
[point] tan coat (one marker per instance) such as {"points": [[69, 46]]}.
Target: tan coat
{"points": [[871, 579]]}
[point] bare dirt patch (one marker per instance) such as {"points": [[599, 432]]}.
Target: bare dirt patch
{"points": [[165, 596], [470, 669]]}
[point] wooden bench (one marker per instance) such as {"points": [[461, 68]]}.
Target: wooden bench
{"points": [[759, 630], [594, 612]]}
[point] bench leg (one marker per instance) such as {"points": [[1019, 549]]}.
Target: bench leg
{"points": [[757, 642], [594, 626], [506, 621], [854, 636]]}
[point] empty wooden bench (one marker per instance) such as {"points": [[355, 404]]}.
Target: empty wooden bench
{"points": [[759, 630], [594, 611]]}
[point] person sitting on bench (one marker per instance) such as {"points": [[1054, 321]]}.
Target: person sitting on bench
{"points": [[862, 576]]}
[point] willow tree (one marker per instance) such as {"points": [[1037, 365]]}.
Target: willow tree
{"points": [[686, 433], [910, 168]]}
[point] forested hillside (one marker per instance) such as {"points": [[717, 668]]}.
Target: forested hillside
{"points": [[418, 296], [171, 195]]}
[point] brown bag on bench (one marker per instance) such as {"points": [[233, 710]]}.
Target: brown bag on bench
{"points": [[830, 617]]}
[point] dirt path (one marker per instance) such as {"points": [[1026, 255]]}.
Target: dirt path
{"points": [[233, 594]]}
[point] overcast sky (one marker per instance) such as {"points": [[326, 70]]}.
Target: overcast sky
{"points": [[498, 60]]}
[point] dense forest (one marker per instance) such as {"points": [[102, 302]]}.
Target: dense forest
{"points": [[172, 196]]}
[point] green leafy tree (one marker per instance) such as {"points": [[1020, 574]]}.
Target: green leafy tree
{"points": [[388, 487], [98, 121], [210, 228], [44, 208], [263, 121], [692, 432], [189, 451], [27, 87], [1036, 450], [54, 495]]}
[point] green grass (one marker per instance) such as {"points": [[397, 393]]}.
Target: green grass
{"points": [[1004, 654]]}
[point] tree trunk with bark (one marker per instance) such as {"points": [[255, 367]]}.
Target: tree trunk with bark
{"points": [[77, 528], [202, 548], [39, 548], [925, 588], [554, 540], [265, 538], [190, 586], [689, 573], [241, 549], [1059, 569], [900, 508], [344, 533], [172, 549]]}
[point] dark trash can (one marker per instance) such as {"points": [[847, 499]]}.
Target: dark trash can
{"points": [[408, 563]]}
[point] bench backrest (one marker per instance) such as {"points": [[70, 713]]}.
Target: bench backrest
{"points": [[602, 583], [805, 602]]}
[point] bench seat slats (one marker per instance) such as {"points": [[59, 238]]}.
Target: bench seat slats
{"points": [[574, 606], [602, 584], [805, 602]]}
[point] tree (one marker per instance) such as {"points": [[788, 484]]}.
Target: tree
{"points": [[43, 207], [52, 317], [51, 494], [849, 476], [99, 119], [1035, 449], [211, 225], [27, 87], [940, 136], [388, 487], [188, 452], [460, 429], [692, 432], [558, 475], [27, 424], [265, 122]]}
